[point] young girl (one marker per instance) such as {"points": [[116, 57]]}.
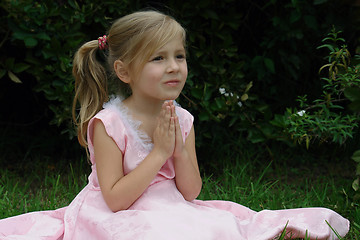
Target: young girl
{"points": [[145, 175]]}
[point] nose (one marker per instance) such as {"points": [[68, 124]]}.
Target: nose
{"points": [[173, 65]]}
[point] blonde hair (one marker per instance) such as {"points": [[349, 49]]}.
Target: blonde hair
{"points": [[131, 39]]}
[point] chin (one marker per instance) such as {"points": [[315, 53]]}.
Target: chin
{"points": [[172, 96]]}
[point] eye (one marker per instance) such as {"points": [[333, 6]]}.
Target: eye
{"points": [[181, 56], [157, 58]]}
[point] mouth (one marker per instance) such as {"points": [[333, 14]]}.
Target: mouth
{"points": [[172, 83]]}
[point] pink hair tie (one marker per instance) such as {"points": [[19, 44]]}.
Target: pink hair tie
{"points": [[102, 42]]}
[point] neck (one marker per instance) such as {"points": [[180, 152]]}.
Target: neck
{"points": [[143, 107]]}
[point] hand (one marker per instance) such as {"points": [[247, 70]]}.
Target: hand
{"points": [[164, 133], [179, 143]]}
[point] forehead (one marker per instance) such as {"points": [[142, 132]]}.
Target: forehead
{"points": [[175, 44]]}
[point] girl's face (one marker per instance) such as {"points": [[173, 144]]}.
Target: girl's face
{"points": [[163, 75]]}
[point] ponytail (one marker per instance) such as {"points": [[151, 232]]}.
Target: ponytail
{"points": [[90, 87], [132, 39]]}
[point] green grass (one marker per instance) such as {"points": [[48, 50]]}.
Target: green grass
{"points": [[43, 186], [267, 190], [48, 185]]}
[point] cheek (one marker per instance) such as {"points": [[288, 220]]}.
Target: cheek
{"points": [[155, 75], [185, 71], [150, 75]]}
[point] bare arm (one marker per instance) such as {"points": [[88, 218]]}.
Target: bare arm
{"points": [[120, 191], [187, 175]]}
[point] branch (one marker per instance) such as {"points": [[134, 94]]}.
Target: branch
{"points": [[187, 98], [324, 102]]}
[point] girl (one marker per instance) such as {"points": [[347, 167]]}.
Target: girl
{"points": [[145, 175]]}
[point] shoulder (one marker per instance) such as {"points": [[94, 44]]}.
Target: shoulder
{"points": [[186, 120], [184, 114], [114, 126], [110, 115], [110, 118]]}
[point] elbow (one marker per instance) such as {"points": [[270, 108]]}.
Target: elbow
{"points": [[116, 204], [116, 207], [193, 193]]}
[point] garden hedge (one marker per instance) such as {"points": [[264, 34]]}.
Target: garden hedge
{"points": [[248, 60]]}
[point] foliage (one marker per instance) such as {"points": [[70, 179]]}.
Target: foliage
{"points": [[247, 59], [48, 33], [335, 116]]}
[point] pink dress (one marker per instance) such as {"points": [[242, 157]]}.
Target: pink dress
{"points": [[161, 212]]}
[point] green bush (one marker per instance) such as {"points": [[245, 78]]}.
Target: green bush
{"points": [[247, 59], [335, 116], [47, 33]]}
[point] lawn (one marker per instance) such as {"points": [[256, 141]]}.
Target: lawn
{"points": [[43, 184]]}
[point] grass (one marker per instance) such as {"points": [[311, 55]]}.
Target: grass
{"points": [[265, 191], [40, 187], [43, 184]]}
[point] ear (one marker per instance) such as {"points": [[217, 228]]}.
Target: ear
{"points": [[121, 71]]}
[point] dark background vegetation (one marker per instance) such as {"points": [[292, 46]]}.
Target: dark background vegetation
{"points": [[231, 43]]}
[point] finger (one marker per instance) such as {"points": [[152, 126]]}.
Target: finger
{"points": [[168, 113], [163, 123], [166, 119], [172, 126], [178, 128], [173, 111], [177, 123], [163, 107], [162, 114], [165, 104]]}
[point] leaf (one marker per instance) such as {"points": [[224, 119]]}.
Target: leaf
{"points": [[210, 14], [358, 169], [57, 83], [352, 93], [248, 86], [21, 35], [355, 184], [220, 103], [197, 93], [269, 65], [207, 92], [2, 73], [233, 120], [307, 142], [43, 36], [13, 77], [267, 130], [204, 116], [30, 42], [20, 67], [356, 156], [255, 136], [279, 121], [62, 66], [329, 46], [244, 97], [355, 106]]}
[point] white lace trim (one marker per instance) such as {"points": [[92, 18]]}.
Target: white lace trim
{"points": [[131, 124]]}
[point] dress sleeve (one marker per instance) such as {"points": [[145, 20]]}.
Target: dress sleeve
{"points": [[186, 121], [114, 127]]}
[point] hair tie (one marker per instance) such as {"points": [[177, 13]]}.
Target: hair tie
{"points": [[102, 43]]}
